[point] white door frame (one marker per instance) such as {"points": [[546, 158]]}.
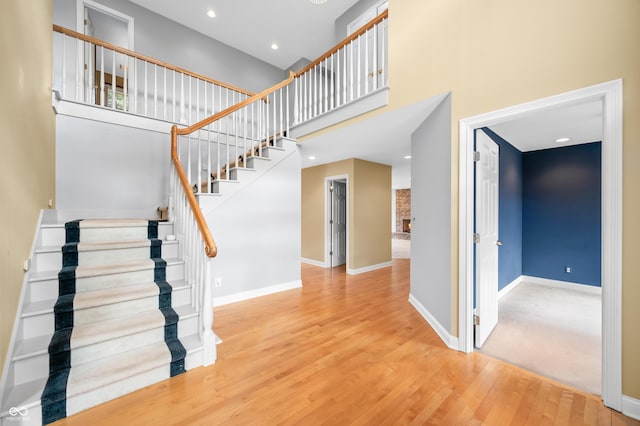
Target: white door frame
{"points": [[611, 95], [327, 216], [81, 4]]}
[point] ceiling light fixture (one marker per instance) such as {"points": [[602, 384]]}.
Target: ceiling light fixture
{"points": [[211, 14], [406, 157], [274, 46], [563, 140], [317, 1], [311, 157]]}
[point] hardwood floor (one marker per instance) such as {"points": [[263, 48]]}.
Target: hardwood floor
{"points": [[347, 350]]}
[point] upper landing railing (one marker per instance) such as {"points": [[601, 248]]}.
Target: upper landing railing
{"points": [[93, 72], [349, 71]]}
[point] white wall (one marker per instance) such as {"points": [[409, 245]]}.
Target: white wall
{"points": [[257, 231], [108, 170], [431, 208]]}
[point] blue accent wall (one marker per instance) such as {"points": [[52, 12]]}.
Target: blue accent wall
{"points": [[561, 220], [509, 211]]}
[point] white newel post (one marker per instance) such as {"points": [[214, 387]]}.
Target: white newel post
{"points": [[208, 338]]}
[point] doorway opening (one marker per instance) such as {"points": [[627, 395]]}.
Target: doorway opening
{"points": [[105, 72], [540, 309], [336, 220], [610, 94]]}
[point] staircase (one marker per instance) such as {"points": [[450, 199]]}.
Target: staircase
{"points": [[104, 295], [101, 296]]}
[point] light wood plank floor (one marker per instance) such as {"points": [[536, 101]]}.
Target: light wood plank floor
{"points": [[347, 350]]}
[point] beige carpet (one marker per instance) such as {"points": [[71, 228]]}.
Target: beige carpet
{"points": [[551, 331]]}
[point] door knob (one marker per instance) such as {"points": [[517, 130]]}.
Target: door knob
{"points": [[498, 243]]}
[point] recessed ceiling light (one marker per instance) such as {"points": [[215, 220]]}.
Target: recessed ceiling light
{"points": [[311, 157], [562, 140], [274, 46], [211, 14], [406, 157], [317, 1]]}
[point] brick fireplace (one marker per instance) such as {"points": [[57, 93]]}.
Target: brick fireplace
{"points": [[403, 213]]}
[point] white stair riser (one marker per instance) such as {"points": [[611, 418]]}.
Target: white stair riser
{"points": [[81, 402], [173, 272], [115, 310], [52, 260], [48, 289], [239, 173], [55, 235], [43, 324], [37, 366], [122, 344], [31, 368]]}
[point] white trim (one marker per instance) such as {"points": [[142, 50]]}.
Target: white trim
{"points": [[509, 287], [8, 375], [252, 294], [631, 407], [448, 339], [327, 216], [81, 4], [584, 288], [108, 115], [312, 262], [365, 103], [356, 271], [611, 95]]}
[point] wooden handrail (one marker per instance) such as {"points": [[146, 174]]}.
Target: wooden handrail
{"points": [[346, 41], [131, 53], [258, 96], [210, 247], [209, 244]]}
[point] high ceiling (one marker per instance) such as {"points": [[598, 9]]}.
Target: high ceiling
{"points": [[300, 28]]}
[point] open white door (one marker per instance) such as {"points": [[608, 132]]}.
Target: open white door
{"points": [[486, 269]]}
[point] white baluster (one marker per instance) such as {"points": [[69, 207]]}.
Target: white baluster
{"points": [[287, 114], [164, 94], [296, 103], [190, 102], [145, 89], [359, 71], [366, 62], [103, 93], [135, 85], [326, 85], [208, 337], [375, 57], [64, 66]]}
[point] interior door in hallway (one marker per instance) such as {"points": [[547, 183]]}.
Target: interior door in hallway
{"points": [[486, 229], [338, 223]]}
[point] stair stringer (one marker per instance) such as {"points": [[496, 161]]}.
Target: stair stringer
{"points": [[261, 165], [7, 370]]}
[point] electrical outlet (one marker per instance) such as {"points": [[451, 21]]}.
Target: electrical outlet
{"points": [[218, 282], [567, 269]]}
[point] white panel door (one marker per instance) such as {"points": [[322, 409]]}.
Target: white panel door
{"points": [[486, 270], [339, 225]]}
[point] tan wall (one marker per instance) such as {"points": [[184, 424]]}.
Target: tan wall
{"points": [[369, 194], [27, 178], [371, 213], [499, 53]]}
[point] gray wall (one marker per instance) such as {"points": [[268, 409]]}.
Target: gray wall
{"points": [[346, 18], [431, 213], [163, 39], [257, 231], [108, 170]]}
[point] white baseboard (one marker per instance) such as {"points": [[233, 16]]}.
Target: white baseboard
{"points": [[369, 268], [448, 339], [251, 294], [312, 262], [631, 407], [506, 289], [563, 284]]}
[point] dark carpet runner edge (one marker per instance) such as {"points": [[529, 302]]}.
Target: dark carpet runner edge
{"points": [[54, 395]]}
